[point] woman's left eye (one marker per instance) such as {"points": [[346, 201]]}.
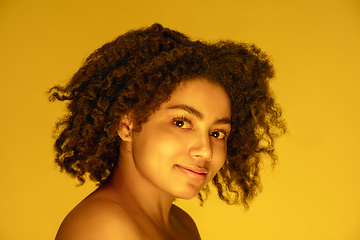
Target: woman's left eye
{"points": [[219, 134], [182, 122]]}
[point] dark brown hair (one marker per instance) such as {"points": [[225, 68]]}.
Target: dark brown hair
{"points": [[136, 73]]}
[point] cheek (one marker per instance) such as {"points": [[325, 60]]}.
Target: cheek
{"points": [[219, 157], [157, 148], [167, 145]]}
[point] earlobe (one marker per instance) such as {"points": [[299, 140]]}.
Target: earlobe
{"points": [[125, 128]]}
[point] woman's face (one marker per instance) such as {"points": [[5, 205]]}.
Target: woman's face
{"points": [[183, 145]]}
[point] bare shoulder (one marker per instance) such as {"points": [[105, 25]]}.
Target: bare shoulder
{"points": [[186, 221], [98, 218]]}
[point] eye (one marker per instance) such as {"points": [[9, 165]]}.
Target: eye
{"points": [[219, 134], [182, 122]]}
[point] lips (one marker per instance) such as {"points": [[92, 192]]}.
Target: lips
{"points": [[194, 172]]}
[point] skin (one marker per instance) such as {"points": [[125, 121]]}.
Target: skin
{"points": [[177, 152]]}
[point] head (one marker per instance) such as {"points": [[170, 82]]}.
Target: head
{"points": [[137, 73], [182, 145]]}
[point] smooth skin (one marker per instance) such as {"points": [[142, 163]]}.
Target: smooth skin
{"points": [[178, 151]]}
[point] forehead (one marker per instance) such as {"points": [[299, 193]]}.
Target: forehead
{"points": [[202, 95]]}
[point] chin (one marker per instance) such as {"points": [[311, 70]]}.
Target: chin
{"points": [[187, 197], [188, 194]]}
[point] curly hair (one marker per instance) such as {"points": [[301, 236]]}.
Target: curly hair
{"points": [[136, 73]]}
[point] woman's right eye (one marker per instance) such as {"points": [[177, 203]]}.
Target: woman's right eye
{"points": [[182, 122]]}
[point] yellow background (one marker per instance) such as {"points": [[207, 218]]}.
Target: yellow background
{"points": [[313, 194]]}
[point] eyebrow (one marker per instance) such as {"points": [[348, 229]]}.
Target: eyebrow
{"points": [[198, 114]]}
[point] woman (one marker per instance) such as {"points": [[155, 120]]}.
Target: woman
{"points": [[154, 116]]}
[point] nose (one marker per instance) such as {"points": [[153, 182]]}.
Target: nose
{"points": [[201, 148]]}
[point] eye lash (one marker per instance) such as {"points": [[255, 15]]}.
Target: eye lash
{"points": [[182, 118], [188, 121], [226, 133], [184, 122]]}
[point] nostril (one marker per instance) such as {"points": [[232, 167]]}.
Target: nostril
{"points": [[204, 154]]}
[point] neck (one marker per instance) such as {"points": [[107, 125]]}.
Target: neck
{"points": [[137, 194]]}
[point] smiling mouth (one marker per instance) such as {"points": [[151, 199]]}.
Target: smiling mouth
{"points": [[196, 173]]}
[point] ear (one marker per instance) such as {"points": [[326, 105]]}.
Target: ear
{"points": [[125, 128]]}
